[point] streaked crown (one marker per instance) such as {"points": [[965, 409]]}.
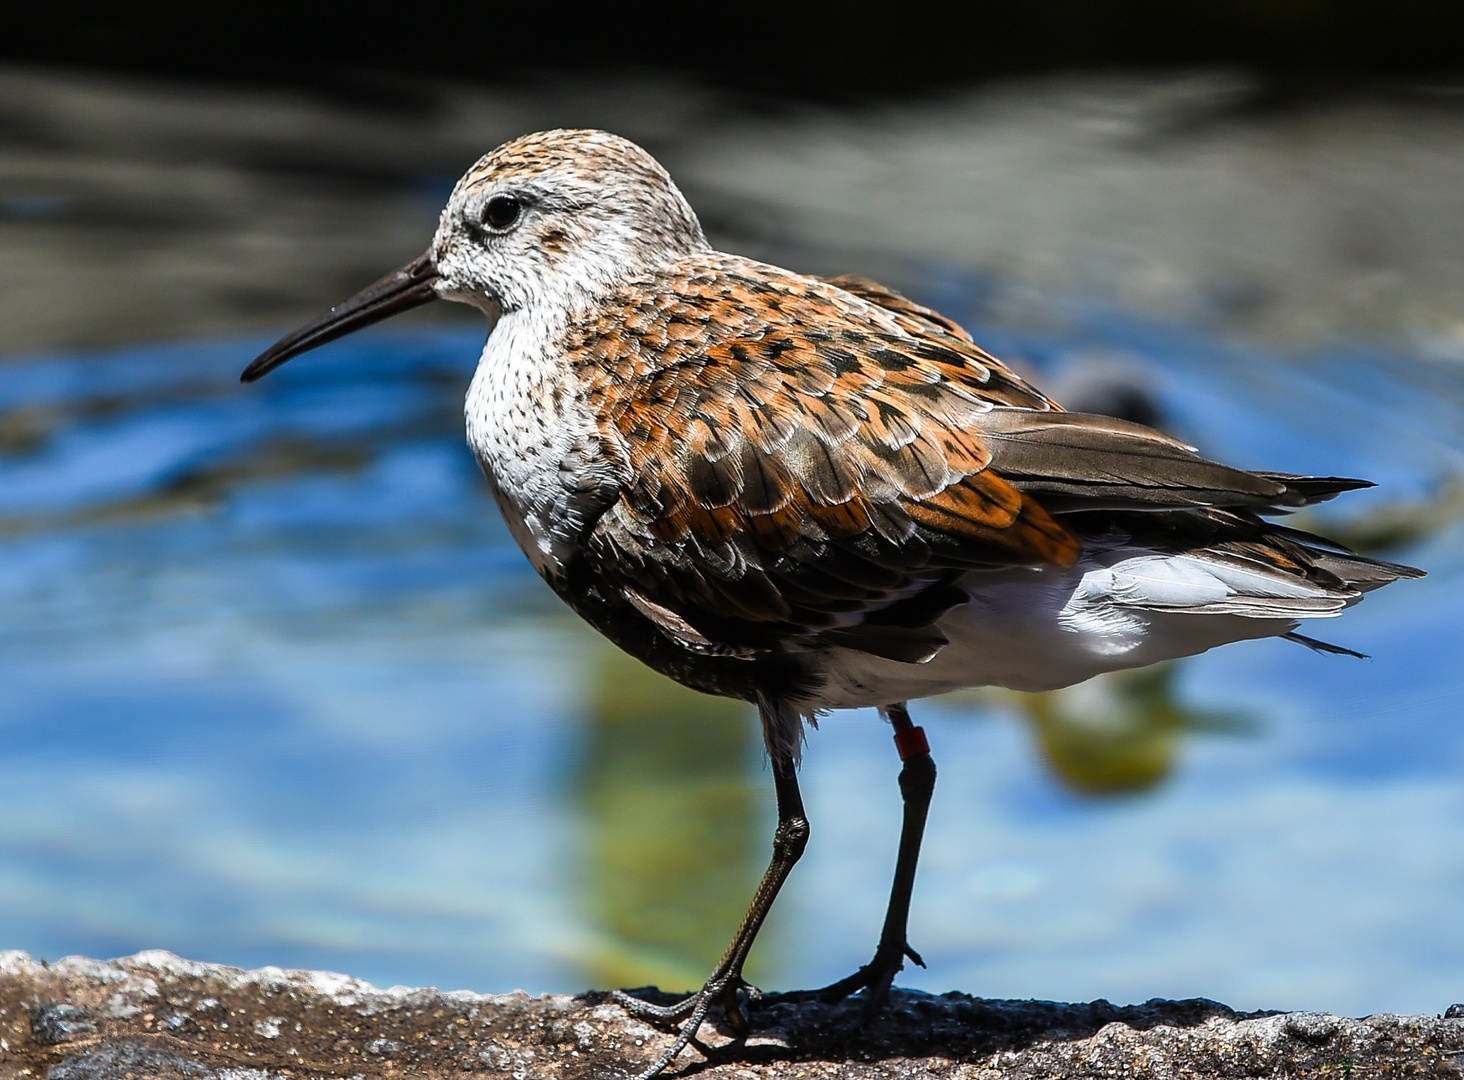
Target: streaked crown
{"points": [[560, 217]]}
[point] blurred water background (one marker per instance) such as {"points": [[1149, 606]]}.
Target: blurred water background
{"points": [[277, 688]]}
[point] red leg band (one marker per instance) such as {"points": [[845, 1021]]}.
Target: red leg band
{"points": [[910, 742]]}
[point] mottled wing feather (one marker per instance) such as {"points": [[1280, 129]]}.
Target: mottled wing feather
{"points": [[887, 298], [802, 460], [818, 460]]}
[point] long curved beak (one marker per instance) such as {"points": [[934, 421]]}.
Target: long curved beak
{"points": [[401, 290]]}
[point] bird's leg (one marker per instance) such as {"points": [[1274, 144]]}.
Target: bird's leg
{"points": [[721, 989], [917, 782]]}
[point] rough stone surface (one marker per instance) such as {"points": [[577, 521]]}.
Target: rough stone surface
{"points": [[155, 1015]]}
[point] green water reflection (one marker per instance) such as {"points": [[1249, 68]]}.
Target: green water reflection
{"points": [[671, 792], [1118, 733]]}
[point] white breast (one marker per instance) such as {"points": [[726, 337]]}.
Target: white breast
{"points": [[524, 422]]}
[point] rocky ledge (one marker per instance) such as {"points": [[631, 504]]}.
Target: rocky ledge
{"points": [[159, 1017]]}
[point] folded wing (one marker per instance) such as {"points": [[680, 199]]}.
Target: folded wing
{"points": [[837, 458]]}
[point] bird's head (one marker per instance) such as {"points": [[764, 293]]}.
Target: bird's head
{"points": [[553, 219]]}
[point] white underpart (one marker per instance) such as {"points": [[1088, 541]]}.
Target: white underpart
{"points": [[1043, 629], [522, 438]]}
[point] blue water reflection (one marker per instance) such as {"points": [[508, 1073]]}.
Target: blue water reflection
{"points": [[278, 688]]}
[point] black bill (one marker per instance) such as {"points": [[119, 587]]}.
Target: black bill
{"points": [[401, 290]]}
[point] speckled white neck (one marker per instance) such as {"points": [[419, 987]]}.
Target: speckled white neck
{"points": [[525, 421]]}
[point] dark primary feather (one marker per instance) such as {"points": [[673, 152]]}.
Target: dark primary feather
{"points": [[1078, 461], [1316, 645]]}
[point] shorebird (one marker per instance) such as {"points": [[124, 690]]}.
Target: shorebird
{"points": [[815, 494]]}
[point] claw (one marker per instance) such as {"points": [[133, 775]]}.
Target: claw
{"points": [[644, 1010], [874, 980], [718, 991]]}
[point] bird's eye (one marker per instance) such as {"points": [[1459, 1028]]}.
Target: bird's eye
{"points": [[501, 211]]}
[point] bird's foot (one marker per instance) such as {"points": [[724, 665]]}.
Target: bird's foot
{"points": [[872, 982], [690, 1013]]}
